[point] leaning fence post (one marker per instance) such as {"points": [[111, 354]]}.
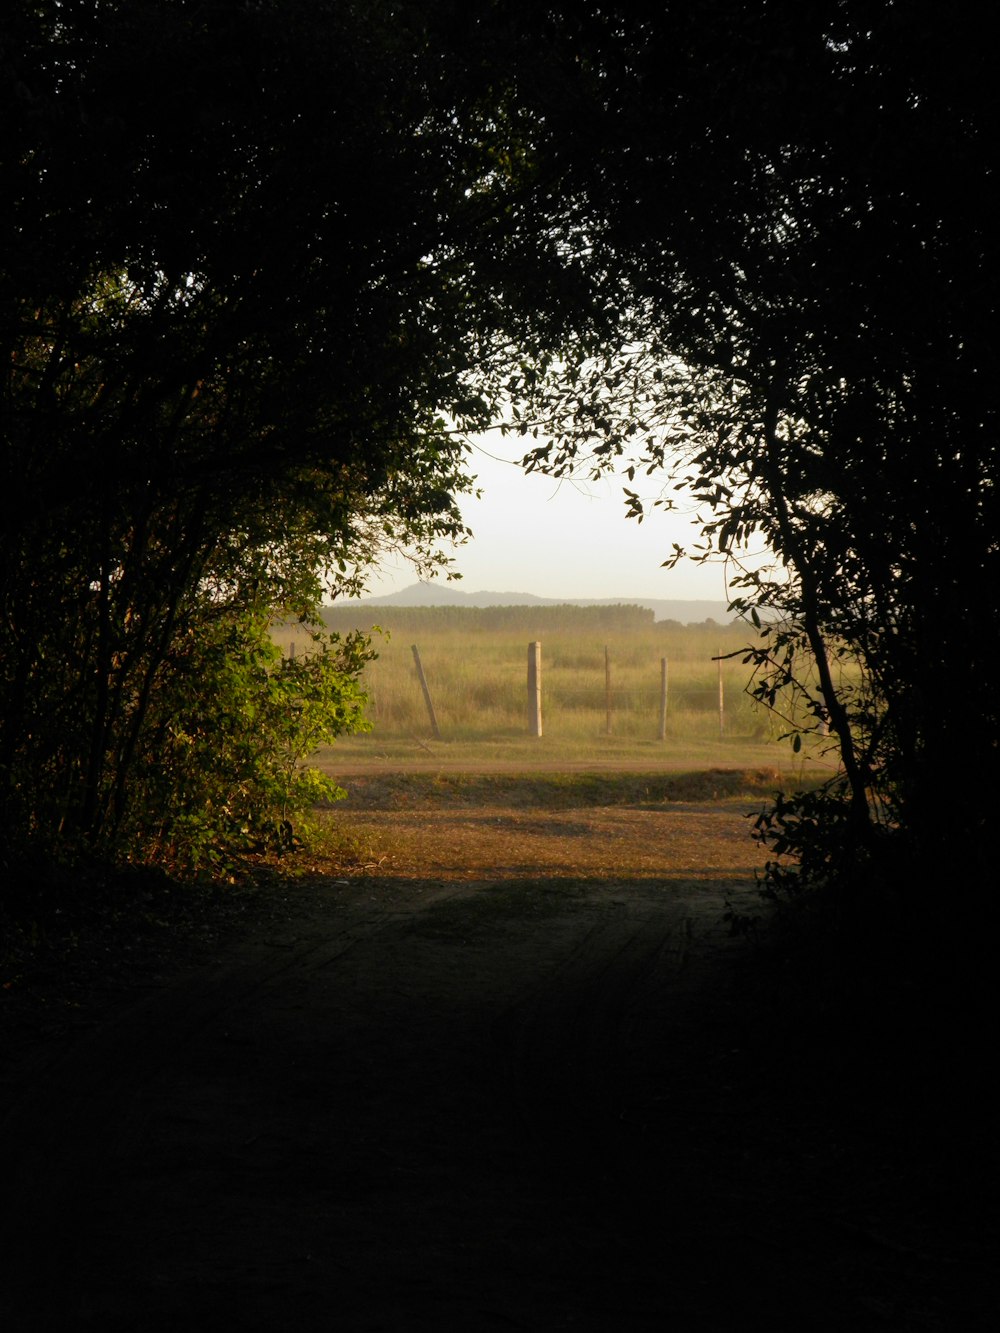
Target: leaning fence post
{"points": [[535, 689], [427, 694]]}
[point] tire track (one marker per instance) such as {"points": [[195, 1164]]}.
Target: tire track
{"points": [[567, 1045]]}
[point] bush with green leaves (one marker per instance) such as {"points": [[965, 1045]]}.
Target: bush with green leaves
{"points": [[223, 763]]}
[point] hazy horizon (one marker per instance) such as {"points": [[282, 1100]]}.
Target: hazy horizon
{"points": [[536, 535]]}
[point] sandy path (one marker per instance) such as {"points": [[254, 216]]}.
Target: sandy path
{"points": [[418, 1101]]}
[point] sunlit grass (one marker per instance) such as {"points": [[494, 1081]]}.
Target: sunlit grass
{"points": [[561, 790], [477, 680], [526, 754]]}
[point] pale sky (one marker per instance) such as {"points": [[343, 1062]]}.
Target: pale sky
{"points": [[563, 539]]}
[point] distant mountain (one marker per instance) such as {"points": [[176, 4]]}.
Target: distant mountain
{"points": [[444, 594]]}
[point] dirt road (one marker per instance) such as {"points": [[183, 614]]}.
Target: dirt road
{"points": [[408, 1100]]}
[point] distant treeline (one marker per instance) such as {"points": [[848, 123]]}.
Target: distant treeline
{"points": [[531, 620]]}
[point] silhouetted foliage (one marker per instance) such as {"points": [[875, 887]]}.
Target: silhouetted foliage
{"points": [[258, 264], [801, 201], [262, 265]]}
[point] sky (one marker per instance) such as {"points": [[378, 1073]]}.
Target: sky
{"points": [[564, 539]]}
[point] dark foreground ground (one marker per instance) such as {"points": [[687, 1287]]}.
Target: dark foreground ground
{"points": [[538, 1103]]}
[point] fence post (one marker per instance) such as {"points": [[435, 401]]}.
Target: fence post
{"points": [[535, 689], [722, 702], [663, 698], [607, 692], [427, 694]]}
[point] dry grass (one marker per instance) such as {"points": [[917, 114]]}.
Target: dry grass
{"points": [[556, 826], [477, 679], [521, 754]]}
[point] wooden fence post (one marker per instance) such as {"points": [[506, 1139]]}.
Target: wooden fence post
{"points": [[607, 692], [663, 698], [435, 732], [722, 702], [535, 689]]}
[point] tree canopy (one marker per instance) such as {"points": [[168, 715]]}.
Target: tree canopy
{"points": [[263, 264], [799, 203], [260, 263]]}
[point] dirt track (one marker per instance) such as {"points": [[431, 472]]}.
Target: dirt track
{"points": [[420, 1103]]}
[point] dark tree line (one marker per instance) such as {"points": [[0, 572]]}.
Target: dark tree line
{"points": [[263, 264]]}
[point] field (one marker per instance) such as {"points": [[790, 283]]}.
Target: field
{"points": [[602, 690]]}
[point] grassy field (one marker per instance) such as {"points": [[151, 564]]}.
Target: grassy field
{"points": [[601, 691]]}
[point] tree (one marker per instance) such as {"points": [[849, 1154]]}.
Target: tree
{"points": [[260, 266], [801, 203], [263, 262]]}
